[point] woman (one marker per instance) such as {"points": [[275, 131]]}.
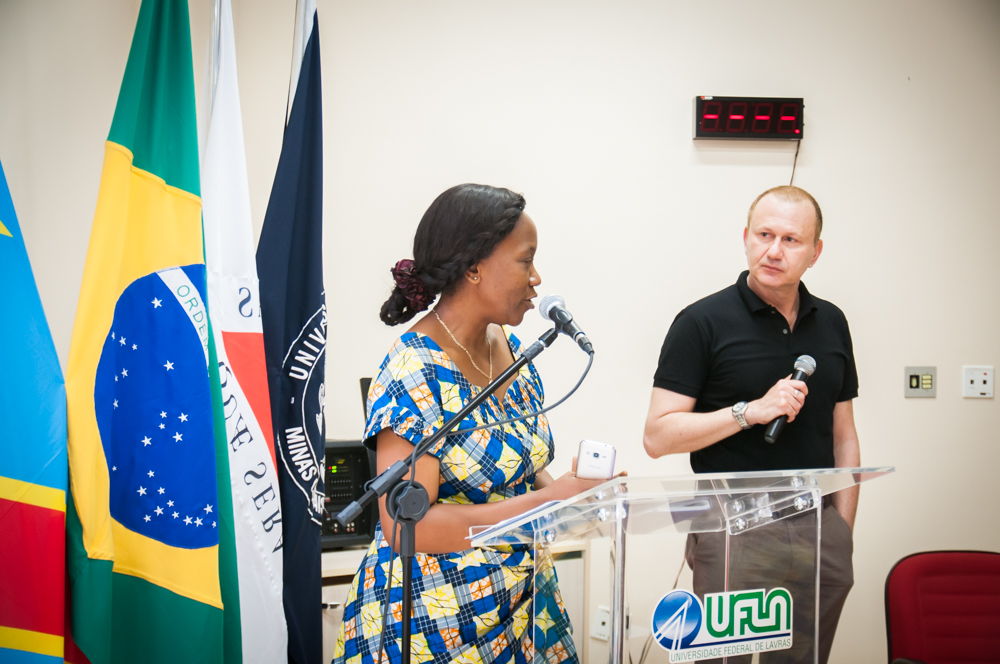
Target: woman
{"points": [[475, 247]]}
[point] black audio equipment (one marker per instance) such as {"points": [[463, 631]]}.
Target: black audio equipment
{"points": [[349, 465]]}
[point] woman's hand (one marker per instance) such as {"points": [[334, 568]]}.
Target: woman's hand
{"points": [[569, 485], [542, 480]]}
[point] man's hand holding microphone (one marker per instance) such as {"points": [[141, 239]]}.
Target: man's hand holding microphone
{"points": [[783, 401], [784, 398]]}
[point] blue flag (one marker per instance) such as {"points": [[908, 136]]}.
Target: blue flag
{"points": [[293, 312], [33, 466]]}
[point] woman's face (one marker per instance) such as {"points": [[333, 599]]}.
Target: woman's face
{"points": [[508, 277]]}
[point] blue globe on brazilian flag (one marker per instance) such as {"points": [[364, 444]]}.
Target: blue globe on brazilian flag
{"points": [[154, 410]]}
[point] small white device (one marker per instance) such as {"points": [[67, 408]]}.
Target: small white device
{"points": [[595, 461]]}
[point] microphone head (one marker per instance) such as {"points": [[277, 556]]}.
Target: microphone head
{"points": [[806, 364], [549, 301]]}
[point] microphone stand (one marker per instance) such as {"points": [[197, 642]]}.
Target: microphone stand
{"points": [[407, 502]]}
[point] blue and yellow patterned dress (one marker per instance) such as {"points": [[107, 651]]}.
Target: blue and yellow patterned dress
{"points": [[473, 605]]}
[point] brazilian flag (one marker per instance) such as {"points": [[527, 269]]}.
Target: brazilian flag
{"points": [[145, 518]]}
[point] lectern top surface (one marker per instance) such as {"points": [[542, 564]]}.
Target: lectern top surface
{"points": [[689, 503]]}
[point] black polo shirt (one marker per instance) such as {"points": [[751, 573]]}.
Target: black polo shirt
{"points": [[732, 346]]}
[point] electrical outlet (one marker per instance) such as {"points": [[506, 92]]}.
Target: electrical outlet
{"points": [[977, 382], [602, 624], [920, 382]]}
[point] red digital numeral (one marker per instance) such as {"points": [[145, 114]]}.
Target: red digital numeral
{"points": [[737, 117], [788, 118], [762, 117], [710, 116]]}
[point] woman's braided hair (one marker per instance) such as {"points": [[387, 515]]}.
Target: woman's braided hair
{"points": [[461, 228]]}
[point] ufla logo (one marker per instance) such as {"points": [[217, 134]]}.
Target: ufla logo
{"points": [[738, 623]]}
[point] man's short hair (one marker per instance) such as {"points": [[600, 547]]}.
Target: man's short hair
{"points": [[791, 194]]}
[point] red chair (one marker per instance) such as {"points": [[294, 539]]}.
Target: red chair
{"points": [[943, 607]]}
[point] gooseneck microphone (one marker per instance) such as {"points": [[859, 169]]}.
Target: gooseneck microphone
{"points": [[553, 308], [804, 367]]}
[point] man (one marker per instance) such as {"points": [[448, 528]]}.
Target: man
{"points": [[725, 373]]}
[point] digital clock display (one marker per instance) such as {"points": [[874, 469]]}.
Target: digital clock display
{"points": [[755, 118]]}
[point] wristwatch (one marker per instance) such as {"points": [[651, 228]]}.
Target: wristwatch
{"points": [[738, 411]]}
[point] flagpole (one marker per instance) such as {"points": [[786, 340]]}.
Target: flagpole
{"points": [[216, 50], [304, 11]]}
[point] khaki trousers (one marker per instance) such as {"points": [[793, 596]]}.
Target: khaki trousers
{"points": [[781, 555]]}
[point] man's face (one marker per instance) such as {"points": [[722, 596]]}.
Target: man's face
{"points": [[780, 242]]}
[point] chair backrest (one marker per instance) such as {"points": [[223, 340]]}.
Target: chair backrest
{"points": [[944, 606], [366, 383]]}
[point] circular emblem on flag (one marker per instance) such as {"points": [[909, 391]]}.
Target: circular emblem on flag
{"points": [[677, 619], [302, 442], [154, 410]]}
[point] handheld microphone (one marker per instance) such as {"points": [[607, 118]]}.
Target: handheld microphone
{"points": [[553, 308], [804, 367]]}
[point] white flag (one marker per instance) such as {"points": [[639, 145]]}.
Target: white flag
{"points": [[234, 307]]}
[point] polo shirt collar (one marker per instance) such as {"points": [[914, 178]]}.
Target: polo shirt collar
{"points": [[807, 303]]}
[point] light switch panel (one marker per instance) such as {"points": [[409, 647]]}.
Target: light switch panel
{"points": [[919, 382], [977, 382]]}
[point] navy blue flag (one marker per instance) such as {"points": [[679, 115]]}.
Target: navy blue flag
{"points": [[293, 312]]}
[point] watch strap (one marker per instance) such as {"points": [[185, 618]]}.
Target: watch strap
{"points": [[739, 411]]}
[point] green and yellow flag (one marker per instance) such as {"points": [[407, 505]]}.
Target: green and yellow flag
{"points": [[143, 522]]}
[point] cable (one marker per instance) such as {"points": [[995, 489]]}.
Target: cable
{"points": [[798, 143], [413, 475], [489, 425], [388, 591], [413, 454], [649, 640], [677, 578], [392, 561]]}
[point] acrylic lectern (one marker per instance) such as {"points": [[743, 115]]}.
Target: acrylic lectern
{"points": [[762, 597]]}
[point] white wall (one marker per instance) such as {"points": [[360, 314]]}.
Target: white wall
{"points": [[585, 107]]}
